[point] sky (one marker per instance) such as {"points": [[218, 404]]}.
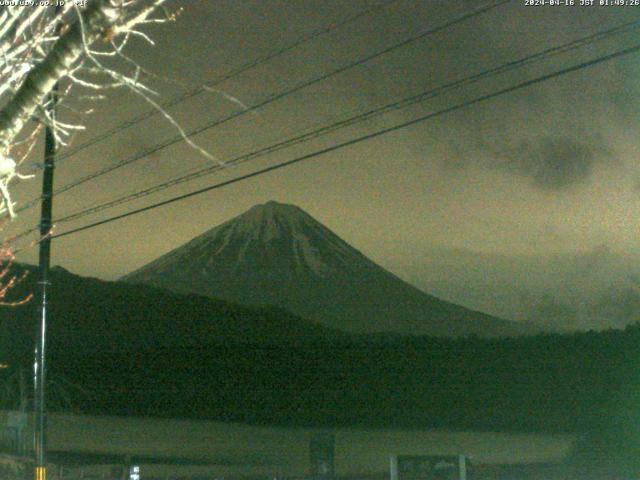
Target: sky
{"points": [[546, 170]]}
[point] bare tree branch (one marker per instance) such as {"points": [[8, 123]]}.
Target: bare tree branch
{"points": [[98, 19], [34, 57]]}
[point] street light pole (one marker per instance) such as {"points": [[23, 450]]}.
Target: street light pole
{"points": [[40, 419]]}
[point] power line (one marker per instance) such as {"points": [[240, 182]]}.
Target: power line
{"points": [[403, 103], [228, 76], [545, 54], [483, 98], [272, 98]]}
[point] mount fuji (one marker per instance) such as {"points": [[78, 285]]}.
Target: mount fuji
{"points": [[277, 254]]}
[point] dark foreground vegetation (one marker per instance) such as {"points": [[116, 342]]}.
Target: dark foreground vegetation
{"points": [[126, 350]]}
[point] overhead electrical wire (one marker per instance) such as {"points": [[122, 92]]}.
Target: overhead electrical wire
{"points": [[403, 103], [314, 34], [270, 99], [543, 55], [363, 138]]}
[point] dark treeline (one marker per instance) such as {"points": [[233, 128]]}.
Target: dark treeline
{"points": [[547, 383], [130, 350], [142, 350]]}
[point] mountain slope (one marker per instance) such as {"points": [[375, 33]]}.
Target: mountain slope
{"points": [[90, 315], [276, 254], [594, 289]]}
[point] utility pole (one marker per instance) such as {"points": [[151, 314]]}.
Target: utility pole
{"points": [[39, 379], [39, 373]]}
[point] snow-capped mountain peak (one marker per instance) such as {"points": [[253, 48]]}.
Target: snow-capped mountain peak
{"points": [[278, 254]]}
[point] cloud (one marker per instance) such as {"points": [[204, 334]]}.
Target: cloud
{"points": [[551, 162]]}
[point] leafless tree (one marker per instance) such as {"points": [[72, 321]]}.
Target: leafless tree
{"points": [[70, 45]]}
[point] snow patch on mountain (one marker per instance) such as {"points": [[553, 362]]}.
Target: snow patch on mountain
{"points": [[308, 255]]}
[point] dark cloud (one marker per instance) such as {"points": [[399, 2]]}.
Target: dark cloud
{"points": [[553, 163]]}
